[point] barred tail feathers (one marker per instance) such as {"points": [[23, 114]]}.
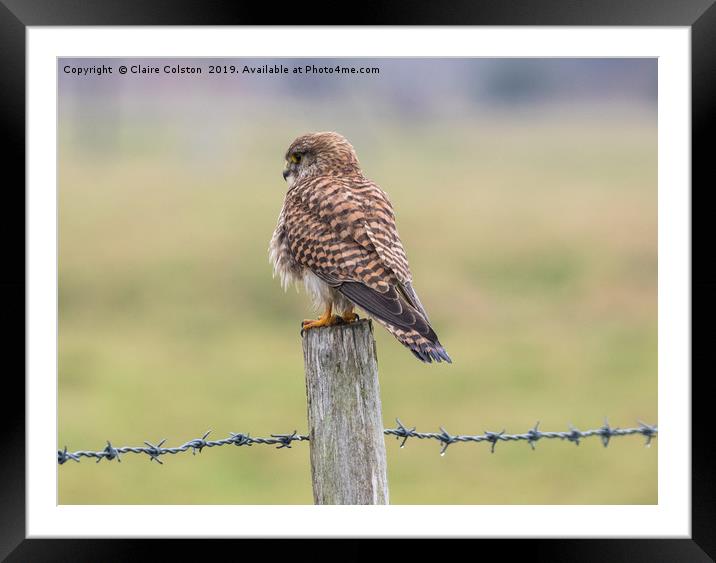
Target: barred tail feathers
{"points": [[400, 318], [422, 348]]}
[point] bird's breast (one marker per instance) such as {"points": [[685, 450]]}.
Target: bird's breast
{"points": [[284, 265]]}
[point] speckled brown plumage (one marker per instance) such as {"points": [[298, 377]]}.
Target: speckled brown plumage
{"points": [[336, 232]]}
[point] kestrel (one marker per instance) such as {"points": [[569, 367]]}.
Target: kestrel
{"points": [[336, 233]]}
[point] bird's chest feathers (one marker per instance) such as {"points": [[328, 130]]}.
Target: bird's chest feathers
{"points": [[284, 264]]}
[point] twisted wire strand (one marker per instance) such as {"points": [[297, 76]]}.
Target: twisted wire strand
{"points": [[605, 432], [534, 434]]}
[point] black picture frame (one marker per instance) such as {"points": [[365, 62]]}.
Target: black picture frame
{"points": [[17, 15]]}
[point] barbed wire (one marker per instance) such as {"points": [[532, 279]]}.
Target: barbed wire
{"points": [[197, 444], [534, 434], [605, 432]]}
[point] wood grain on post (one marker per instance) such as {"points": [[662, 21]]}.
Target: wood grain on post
{"points": [[345, 421]]}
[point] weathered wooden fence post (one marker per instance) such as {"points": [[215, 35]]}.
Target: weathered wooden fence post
{"points": [[344, 415]]}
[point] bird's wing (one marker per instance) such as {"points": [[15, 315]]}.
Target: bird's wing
{"points": [[345, 233], [379, 231], [411, 297], [317, 245], [353, 220], [362, 213]]}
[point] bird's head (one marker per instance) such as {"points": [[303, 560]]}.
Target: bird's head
{"points": [[319, 154]]}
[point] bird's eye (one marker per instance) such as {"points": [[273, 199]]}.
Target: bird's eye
{"points": [[295, 158]]}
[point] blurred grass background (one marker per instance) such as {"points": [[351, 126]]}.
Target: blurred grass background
{"points": [[531, 229]]}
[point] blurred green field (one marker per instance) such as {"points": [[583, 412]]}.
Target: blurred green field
{"points": [[533, 243]]}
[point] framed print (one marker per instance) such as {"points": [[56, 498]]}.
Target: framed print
{"points": [[526, 173]]}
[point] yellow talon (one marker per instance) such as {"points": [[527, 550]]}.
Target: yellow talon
{"points": [[328, 319], [349, 316]]}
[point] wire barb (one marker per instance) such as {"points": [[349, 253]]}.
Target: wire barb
{"points": [[574, 435], [492, 437], [446, 439], [533, 435], [286, 439], [155, 451], [606, 433], [198, 443], [401, 432], [648, 431], [110, 453]]}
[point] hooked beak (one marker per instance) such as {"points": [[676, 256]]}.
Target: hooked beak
{"points": [[286, 173]]}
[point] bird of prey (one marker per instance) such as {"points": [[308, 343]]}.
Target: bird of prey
{"points": [[336, 233]]}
